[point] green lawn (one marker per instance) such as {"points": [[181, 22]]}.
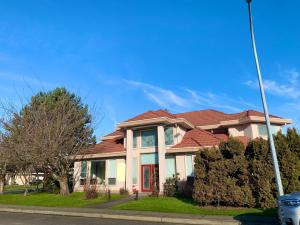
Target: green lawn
{"points": [[74, 200], [187, 206]]}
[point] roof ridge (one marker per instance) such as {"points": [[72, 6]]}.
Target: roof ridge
{"points": [[201, 110]]}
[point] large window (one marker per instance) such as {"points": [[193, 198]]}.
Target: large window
{"points": [[262, 130], [112, 172], [189, 165], [98, 172], [83, 172], [170, 166], [149, 138], [135, 137], [169, 140], [134, 171]]}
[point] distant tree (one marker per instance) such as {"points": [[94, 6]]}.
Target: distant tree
{"points": [[7, 161], [52, 128]]}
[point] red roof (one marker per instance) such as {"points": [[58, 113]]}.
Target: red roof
{"points": [[115, 133], [192, 138], [212, 117], [198, 138], [107, 146], [204, 117], [152, 114], [248, 113]]}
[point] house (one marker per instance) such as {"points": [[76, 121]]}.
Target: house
{"points": [[159, 144]]}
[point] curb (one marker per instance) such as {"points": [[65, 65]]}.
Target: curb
{"points": [[123, 217]]}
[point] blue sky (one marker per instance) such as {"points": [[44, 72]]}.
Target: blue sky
{"points": [[127, 57]]}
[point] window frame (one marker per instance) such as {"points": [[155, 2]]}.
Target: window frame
{"points": [[274, 130], [165, 129], [135, 139], [156, 137], [109, 177], [186, 166], [102, 180]]}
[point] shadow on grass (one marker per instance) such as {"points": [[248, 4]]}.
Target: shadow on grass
{"points": [[243, 213], [261, 216]]}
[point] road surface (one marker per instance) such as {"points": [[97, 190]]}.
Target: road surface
{"points": [[37, 219]]}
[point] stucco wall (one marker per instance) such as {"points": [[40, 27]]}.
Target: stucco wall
{"points": [[120, 176]]}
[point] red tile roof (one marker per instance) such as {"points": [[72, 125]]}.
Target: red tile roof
{"points": [[248, 113], [115, 133], [204, 117], [152, 114], [198, 138], [212, 117], [107, 146], [192, 138]]}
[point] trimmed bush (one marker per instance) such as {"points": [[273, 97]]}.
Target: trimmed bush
{"points": [[90, 190], [170, 186]]}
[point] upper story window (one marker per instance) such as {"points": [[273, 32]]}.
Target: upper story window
{"points": [[169, 138], [135, 137], [149, 138], [262, 130]]}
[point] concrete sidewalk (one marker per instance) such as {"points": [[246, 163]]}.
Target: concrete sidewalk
{"points": [[141, 216]]}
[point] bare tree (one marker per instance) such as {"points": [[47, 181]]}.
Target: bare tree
{"points": [[56, 126], [46, 133]]}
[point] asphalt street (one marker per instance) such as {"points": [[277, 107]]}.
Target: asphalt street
{"points": [[36, 219]]}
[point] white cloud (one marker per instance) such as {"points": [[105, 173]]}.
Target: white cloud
{"points": [[290, 89], [162, 97], [212, 100], [184, 99]]}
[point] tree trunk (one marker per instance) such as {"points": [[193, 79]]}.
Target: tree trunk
{"points": [[64, 187], [2, 179]]}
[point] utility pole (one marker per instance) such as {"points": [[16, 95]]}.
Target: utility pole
{"points": [[264, 103]]}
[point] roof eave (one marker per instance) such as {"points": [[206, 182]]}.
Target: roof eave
{"points": [[250, 119], [152, 121], [100, 155]]}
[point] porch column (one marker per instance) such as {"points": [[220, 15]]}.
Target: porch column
{"points": [[88, 172], [161, 157], [76, 175], [129, 143]]}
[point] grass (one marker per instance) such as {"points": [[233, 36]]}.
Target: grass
{"points": [[74, 200], [187, 206]]}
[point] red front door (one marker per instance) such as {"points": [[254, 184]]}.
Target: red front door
{"points": [[148, 177]]}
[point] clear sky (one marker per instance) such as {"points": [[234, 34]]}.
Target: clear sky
{"points": [[127, 57]]}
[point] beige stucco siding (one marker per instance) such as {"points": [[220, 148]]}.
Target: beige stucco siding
{"points": [[120, 175]]}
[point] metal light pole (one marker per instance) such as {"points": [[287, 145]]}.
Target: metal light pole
{"points": [[264, 102]]}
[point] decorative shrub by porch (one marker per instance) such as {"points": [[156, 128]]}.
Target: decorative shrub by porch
{"points": [[170, 186], [90, 190]]}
